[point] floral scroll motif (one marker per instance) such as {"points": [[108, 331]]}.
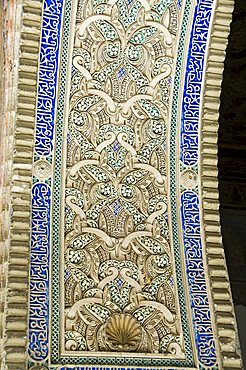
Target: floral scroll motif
{"points": [[119, 276]]}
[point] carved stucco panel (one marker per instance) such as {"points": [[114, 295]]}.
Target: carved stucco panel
{"points": [[120, 284], [115, 136]]}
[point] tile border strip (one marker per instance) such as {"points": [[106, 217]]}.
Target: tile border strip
{"points": [[218, 275], [28, 32], [40, 243], [188, 153]]}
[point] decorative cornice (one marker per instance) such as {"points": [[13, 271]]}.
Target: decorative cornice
{"points": [[27, 23], [219, 280]]}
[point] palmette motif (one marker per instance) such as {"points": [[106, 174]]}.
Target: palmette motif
{"points": [[119, 272]]}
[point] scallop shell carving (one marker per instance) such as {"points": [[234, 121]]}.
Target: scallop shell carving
{"points": [[123, 332]]}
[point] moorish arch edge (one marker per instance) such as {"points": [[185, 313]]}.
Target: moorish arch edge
{"points": [[114, 201]]}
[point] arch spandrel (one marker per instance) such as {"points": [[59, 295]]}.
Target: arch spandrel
{"points": [[116, 119]]}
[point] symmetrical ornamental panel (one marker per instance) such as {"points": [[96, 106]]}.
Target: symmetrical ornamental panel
{"points": [[120, 283], [124, 251]]}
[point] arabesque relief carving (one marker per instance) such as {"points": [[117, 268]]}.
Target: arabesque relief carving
{"points": [[119, 274], [141, 186]]}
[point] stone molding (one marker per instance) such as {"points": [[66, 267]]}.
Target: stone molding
{"points": [[219, 280], [16, 299], [27, 23]]}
